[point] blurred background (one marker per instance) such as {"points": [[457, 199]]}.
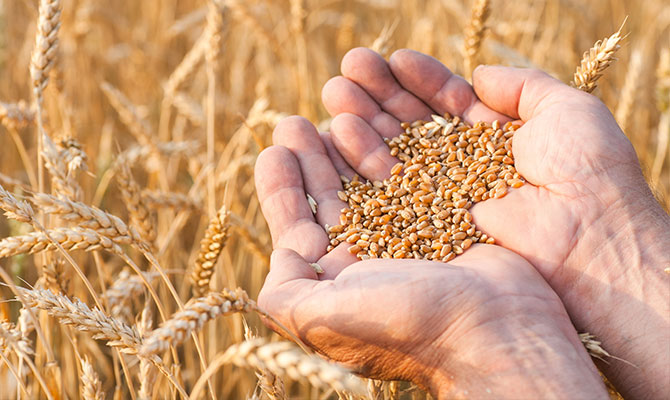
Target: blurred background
{"points": [[274, 57]]}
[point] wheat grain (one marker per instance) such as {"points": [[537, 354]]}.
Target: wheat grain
{"points": [[75, 313], [595, 61], [210, 249], [422, 210], [474, 33], [194, 315], [91, 387]]}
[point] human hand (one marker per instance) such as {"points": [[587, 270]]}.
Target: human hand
{"points": [[587, 221], [484, 325]]}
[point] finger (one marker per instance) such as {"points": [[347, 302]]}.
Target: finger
{"points": [[361, 147], [338, 161], [284, 204], [372, 73], [321, 180], [519, 92], [340, 95], [438, 87]]}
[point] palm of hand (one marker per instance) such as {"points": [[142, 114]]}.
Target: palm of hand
{"points": [[384, 317]]}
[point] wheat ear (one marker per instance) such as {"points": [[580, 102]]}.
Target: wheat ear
{"points": [[210, 249], [284, 358], [11, 337], [596, 60], [194, 315], [474, 33], [75, 313], [629, 90], [139, 213], [16, 116], [46, 45], [91, 387]]}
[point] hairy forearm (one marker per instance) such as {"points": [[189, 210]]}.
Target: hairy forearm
{"points": [[623, 295]]}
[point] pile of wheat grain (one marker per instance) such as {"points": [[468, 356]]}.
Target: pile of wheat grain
{"points": [[422, 210]]}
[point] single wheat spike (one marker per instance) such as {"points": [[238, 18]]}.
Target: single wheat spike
{"points": [[194, 315], [384, 42], [269, 383], [140, 215], [16, 116], [186, 67], [128, 114], [596, 60], [663, 102], [75, 313], [629, 90], [11, 337], [169, 149], [210, 249], [8, 181], [74, 156], [284, 358], [127, 286], [89, 217], [15, 209], [69, 238], [57, 161], [147, 376], [46, 45], [213, 31], [91, 387], [53, 276], [474, 34], [176, 201]]}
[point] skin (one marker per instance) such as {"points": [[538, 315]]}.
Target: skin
{"points": [[586, 221], [485, 325]]}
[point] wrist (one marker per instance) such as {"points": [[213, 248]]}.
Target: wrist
{"points": [[536, 354], [614, 286]]}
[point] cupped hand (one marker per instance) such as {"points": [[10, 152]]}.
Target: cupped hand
{"points": [[587, 220], [485, 324]]}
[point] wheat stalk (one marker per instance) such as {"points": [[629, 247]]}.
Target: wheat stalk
{"points": [[193, 316], [210, 249], [663, 101], [91, 387], [596, 60], [474, 33], [75, 313]]}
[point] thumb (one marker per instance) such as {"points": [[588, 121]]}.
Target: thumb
{"points": [[286, 265], [520, 93]]}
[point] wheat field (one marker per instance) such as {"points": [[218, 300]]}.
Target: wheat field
{"points": [[134, 245]]}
